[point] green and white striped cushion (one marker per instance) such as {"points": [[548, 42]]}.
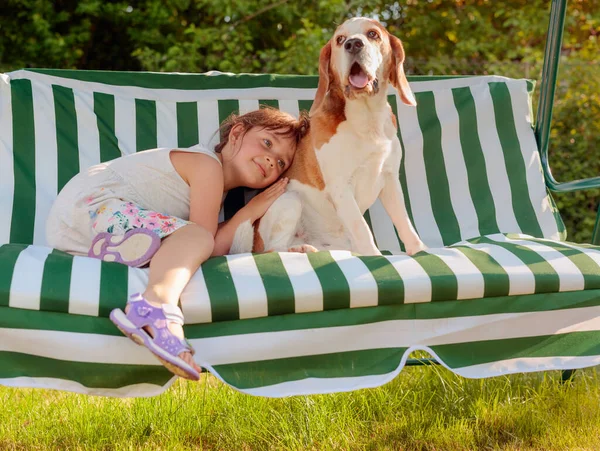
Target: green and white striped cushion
{"points": [[471, 165]]}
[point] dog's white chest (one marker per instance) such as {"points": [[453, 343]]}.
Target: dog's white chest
{"points": [[349, 162]]}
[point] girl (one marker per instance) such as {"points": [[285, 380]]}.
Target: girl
{"points": [[161, 206]]}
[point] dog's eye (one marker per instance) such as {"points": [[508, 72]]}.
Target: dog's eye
{"points": [[340, 39], [372, 35]]}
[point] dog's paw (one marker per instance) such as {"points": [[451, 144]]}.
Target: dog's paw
{"points": [[415, 248], [303, 249]]}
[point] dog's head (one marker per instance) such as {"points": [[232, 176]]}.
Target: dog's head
{"points": [[360, 59]]}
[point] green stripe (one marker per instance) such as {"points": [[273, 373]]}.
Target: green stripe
{"points": [[227, 107], [8, 258], [479, 352], [513, 159], [104, 107], [263, 373], [221, 290], [546, 279], [187, 124], [402, 175], [336, 292], [588, 267], [272, 103], [56, 282], [390, 288], [113, 287], [145, 125], [66, 134], [280, 293], [560, 225], [435, 169], [91, 375], [304, 105], [23, 213], [444, 285], [495, 279], [479, 188]]}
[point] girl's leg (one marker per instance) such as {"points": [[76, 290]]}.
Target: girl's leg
{"points": [[172, 267]]}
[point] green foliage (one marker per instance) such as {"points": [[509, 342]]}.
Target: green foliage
{"points": [[284, 36]]}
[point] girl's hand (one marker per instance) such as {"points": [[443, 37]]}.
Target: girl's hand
{"points": [[260, 203]]}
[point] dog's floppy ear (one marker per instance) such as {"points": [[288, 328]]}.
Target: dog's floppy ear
{"points": [[397, 77], [324, 59]]}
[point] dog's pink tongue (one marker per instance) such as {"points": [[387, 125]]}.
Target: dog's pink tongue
{"points": [[359, 80]]}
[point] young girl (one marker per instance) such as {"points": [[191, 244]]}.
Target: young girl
{"points": [[161, 206]]}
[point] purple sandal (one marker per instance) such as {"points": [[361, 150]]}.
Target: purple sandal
{"points": [[165, 345], [135, 248]]}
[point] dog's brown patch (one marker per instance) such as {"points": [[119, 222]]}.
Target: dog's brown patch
{"points": [[394, 121], [258, 245]]}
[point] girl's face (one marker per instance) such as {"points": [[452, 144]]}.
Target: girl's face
{"points": [[260, 156]]}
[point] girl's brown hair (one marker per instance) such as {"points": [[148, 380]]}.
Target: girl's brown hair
{"points": [[272, 119]]}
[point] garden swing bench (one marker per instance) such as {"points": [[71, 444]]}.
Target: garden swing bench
{"points": [[498, 292]]}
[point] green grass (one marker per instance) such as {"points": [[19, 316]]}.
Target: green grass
{"points": [[422, 409]]}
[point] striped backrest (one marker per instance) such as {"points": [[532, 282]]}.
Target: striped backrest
{"points": [[470, 166]]}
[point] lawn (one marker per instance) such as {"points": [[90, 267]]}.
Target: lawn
{"points": [[422, 409]]}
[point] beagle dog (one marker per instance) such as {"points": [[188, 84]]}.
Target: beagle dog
{"points": [[350, 156]]}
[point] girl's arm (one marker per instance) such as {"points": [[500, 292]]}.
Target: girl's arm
{"points": [[254, 210]]}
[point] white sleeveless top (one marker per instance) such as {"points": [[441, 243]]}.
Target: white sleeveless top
{"points": [[146, 178]]}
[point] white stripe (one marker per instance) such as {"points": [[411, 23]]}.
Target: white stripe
{"points": [[494, 159], [383, 228], [392, 334], [247, 105], [417, 283], [290, 106], [594, 254], [26, 284], [363, 288], [191, 95], [208, 122], [456, 169], [251, 294], [88, 139], [526, 365], [416, 177], [308, 293], [533, 167], [166, 124], [195, 301], [50, 383], [469, 279], [569, 275], [137, 280], [521, 279], [89, 347], [125, 128], [76, 346], [84, 292], [46, 158], [7, 176]]}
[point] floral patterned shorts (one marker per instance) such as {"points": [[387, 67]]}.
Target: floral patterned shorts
{"points": [[118, 216]]}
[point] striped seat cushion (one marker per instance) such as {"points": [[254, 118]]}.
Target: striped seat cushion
{"points": [[471, 165], [253, 286]]}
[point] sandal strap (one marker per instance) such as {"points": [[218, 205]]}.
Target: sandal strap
{"points": [[173, 313]]}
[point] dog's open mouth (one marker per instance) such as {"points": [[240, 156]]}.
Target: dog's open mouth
{"points": [[358, 78]]}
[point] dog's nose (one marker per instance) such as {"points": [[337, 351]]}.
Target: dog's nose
{"points": [[354, 45]]}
